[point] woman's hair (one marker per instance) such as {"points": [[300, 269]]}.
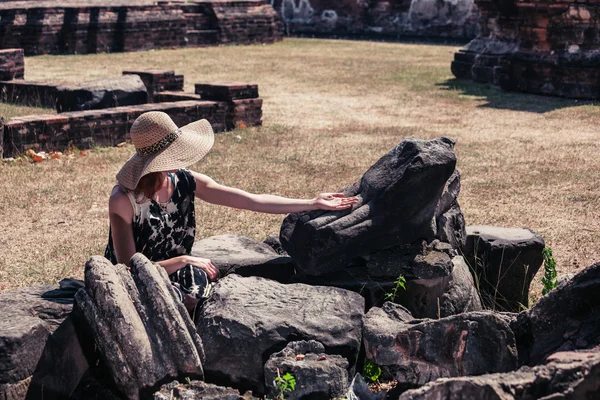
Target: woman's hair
{"points": [[147, 186]]}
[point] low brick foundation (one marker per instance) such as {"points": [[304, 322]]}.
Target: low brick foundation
{"points": [[12, 64], [29, 93], [242, 100], [78, 27], [107, 127], [110, 126]]}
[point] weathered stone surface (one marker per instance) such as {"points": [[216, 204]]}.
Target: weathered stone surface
{"points": [[461, 294], [436, 284], [567, 318], [125, 90], [274, 243], [198, 390], [450, 220], [27, 321], [566, 375], [505, 261], [399, 197], [318, 375], [419, 351], [138, 322], [451, 227], [248, 319], [244, 256]]}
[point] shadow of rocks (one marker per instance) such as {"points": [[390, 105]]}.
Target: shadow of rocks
{"points": [[499, 99]]}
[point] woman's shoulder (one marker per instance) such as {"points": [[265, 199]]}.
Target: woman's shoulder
{"points": [[119, 202]]}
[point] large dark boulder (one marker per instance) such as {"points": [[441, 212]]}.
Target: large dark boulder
{"points": [[126, 90], [505, 261], [28, 320], [143, 331], [419, 351], [570, 375], [246, 320], [399, 205], [244, 256], [318, 376], [567, 318]]}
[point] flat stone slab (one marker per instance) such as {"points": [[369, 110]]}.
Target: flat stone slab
{"points": [[125, 90], [246, 320], [244, 256], [502, 237]]}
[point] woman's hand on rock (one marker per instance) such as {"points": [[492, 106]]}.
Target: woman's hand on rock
{"points": [[334, 201], [206, 265]]}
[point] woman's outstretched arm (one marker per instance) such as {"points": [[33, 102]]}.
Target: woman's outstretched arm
{"points": [[212, 192]]}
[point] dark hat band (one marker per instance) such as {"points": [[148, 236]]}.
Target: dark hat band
{"points": [[160, 145]]}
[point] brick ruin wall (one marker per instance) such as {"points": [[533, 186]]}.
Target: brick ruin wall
{"points": [[542, 47], [226, 106], [12, 64], [380, 18], [78, 27]]}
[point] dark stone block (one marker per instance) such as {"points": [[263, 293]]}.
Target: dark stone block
{"points": [[399, 198], [105, 93], [505, 261], [227, 91]]}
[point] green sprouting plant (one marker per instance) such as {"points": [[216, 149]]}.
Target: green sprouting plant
{"points": [[400, 282], [283, 384], [371, 371], [549, 279]]}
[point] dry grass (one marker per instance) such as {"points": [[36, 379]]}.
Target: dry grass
{"points": [[331, 109]]}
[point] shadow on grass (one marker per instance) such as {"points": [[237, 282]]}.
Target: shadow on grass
{"points": [[516, 101]]}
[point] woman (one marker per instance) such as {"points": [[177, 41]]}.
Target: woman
{"points": [[151, 209]]}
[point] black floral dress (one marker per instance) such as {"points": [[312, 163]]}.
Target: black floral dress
{"points": [[165, 230]]}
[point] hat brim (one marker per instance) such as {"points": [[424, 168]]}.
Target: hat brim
{"points": [[194, 142]]}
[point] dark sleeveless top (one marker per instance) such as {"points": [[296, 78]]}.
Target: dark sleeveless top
{"points": [[163, 230]]}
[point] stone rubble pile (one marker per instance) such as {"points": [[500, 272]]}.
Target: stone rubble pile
{"points": [[320, 304]]}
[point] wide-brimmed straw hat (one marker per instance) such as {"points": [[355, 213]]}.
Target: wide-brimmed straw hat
{"points": [[161, 146]]}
